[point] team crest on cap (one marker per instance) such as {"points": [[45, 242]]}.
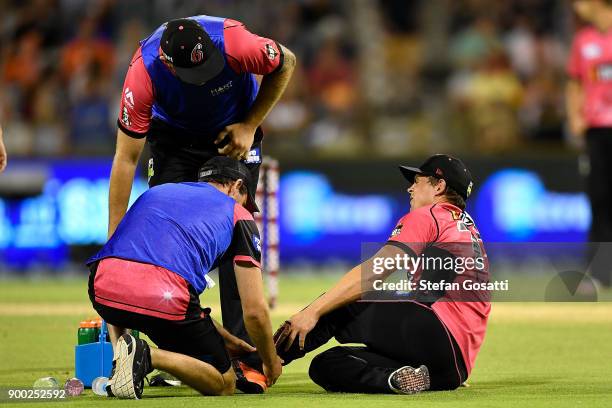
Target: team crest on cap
{"points": [[469, 189], [197, 55]]}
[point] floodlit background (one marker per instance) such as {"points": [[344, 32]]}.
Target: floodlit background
{"points": [[378, 83]]}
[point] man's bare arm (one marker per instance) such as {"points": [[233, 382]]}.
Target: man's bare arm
{"points": [[127, 153], [242, 134], [574, 101], [3, 155], [272, 88], [257, 317], [347, 290], [353, 284]]}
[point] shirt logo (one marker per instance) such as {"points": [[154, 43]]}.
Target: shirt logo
{"points": [[603, 72], [397, 230], [591, 51], [271, 52], [222, 89]]}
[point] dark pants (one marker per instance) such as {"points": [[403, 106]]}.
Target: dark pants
{"points": [[395, 334], [175, 159], [194, 336], [599, 187]]}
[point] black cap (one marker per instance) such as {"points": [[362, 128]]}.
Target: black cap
{"points": [[233, 169], [448, 168], [189, 48]]}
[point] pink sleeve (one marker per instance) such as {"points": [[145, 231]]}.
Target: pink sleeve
{"points": [[242, 214], [415, 230], [136, 99], [574, 63], [247, 52]]}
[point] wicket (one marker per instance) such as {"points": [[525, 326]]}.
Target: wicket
{"points": [[267, 222]]}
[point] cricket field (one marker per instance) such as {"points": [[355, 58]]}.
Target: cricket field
{"points": [[534, 354]]}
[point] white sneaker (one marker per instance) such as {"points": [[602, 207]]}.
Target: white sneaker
{"points": [[133, 365]]}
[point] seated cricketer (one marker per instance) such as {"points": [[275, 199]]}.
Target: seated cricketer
{"points": [[149, 276], [424, 339]]}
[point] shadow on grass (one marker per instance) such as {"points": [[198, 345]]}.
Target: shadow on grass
{"points": [[514, 382]]}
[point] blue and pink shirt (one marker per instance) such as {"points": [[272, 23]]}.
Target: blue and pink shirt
{"points": [[152, 92], [184, 228]]}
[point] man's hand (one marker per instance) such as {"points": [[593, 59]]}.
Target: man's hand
{"points": [[298, 326], [273, 371], [237, 347], [239, 137]]}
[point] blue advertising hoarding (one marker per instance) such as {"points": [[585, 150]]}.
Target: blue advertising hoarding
{"points": [[72, 209], [320, 221]]}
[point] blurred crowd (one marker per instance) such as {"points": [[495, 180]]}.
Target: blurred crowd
{"points": [[386, 77]]}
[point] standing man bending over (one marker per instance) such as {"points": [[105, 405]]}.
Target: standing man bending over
{"points": [[191, 92]]}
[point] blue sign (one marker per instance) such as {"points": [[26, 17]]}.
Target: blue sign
{"points": [[318, 224], [514, 205], [72, 210]]}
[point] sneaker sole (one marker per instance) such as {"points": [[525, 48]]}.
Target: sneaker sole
{"points": [[409, 380], [122, 382]]}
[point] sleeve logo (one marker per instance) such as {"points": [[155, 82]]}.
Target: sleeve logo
{"points": [[271, 52], [397, 230], [257, 243], [129, 97], [125, 117], [254, 156]]}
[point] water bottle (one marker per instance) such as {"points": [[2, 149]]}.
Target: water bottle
{"points": [[97, 325], [98, 386], [86, 333], [46, 383]]}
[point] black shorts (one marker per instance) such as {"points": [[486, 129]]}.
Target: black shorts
{"points": [[194, 335], [176, 156]]}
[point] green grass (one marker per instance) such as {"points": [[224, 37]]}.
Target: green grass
{"points": [[534, 354]]}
